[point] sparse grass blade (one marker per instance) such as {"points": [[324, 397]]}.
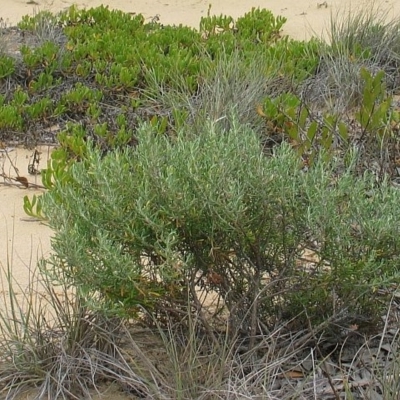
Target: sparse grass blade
{"points": [[362, 38], [51, 341]]}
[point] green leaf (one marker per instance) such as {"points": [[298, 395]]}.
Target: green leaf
{"points": [[33, 207], [312, 130], [303, 118]]}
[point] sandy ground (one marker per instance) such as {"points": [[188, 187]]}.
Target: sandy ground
{"points": [[304, 16], [23, 240]]}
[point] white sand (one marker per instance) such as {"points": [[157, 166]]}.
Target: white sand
{"points": [[304, 16]]}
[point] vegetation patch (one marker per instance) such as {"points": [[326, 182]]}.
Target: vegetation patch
{"points": [[218, 188]]}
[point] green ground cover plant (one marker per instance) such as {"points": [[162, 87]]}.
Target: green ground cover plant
{"points": [[230, 189], [128, 60]]}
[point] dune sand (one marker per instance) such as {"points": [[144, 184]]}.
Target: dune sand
{"points": [[304, 16]]}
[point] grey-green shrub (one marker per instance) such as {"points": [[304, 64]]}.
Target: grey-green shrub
{"points": [[146, 226]]}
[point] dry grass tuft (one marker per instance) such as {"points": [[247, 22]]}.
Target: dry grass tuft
{"points": [[366, 39]]}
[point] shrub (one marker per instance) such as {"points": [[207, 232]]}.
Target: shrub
{"points": [[172, 218]]}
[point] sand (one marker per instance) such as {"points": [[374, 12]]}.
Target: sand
{"points": [[305, 17], [23, 240]]}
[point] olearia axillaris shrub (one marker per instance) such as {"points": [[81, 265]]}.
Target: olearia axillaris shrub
{"points": [[174, 218]]}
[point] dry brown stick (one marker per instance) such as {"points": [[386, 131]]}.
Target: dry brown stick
{"points": [[20, 179], [12, 164], [199, 309]]}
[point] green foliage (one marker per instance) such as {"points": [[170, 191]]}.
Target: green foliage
{"points": [[357, 244], [7, 66], [289, 117], [42, 109], [116, 57], [156, 218], [215, 25], [19, 99], [45, 56], [377, 129], [297, 60], [80, 98], [33, 207], [260, 25], [373, 115], [138, 227], [260, 32], [277, 109], [10, 118], [33, 23], [378, 120]]}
